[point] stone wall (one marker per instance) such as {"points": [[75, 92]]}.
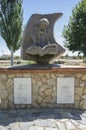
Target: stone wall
{"points": [[44, 87]]}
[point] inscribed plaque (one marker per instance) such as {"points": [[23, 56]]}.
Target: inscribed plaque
{"points": [[22, 91], [65, 90]]}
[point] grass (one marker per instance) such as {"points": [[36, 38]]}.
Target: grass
{"points": [[69, 61]]}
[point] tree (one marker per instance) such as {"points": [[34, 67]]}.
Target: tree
{"points": [[11, 18], [75, 32]]}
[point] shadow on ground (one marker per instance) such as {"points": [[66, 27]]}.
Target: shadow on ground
{"points": [[28, 115]]}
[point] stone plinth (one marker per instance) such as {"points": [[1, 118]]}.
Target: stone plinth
{"points": [[43, 85]]}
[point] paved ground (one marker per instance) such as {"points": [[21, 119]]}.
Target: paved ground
{"points": [[43, 119]]}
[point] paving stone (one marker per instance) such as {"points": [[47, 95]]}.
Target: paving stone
{"points": [[21, 112], [36, 114], [51, 116], [64, 120], [26, 115], [35, 128], [1, 111], [45, 123], [14, 126], [60, 125], [18, 119], [58, 116], [5, 116], [69, 115], [74, 122], [8, 121], [70, 126], [25, 125], [1, 116], [51, 129], [43, 116], [81, 122], [83, 119], [12, 113], [3, 128], [84, 114], [82, 127]]}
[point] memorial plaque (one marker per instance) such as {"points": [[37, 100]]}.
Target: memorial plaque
{"points": [[22, 91], [65, 90]]}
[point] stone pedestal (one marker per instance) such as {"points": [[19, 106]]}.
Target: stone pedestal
{"points": [[26, 86]]}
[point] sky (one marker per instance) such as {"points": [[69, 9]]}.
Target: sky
{"points": [[45, 7]]}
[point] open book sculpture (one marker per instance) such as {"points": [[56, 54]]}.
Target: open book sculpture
{"points": [[38, 42]]}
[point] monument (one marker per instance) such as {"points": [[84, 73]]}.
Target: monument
{"points": [[44, 84], [38, 42]]}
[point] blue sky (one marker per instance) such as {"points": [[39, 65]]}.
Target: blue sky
{"points": [[43, 7]]}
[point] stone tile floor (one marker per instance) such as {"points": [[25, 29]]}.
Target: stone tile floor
{"points": [[43, 119]]}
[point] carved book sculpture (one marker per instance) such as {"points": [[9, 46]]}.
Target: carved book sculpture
{"points": [[38, 42]]}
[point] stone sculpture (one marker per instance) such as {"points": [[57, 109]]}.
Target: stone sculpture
{"points": [[38, 42]]}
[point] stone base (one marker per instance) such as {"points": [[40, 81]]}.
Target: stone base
{"points": [[43, 84]]}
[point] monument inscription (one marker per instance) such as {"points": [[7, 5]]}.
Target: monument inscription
{"points": [[22, 91], [65, 90]]}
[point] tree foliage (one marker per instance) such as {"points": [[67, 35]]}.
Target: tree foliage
{"points": [[75, 32], [11, 18]]}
